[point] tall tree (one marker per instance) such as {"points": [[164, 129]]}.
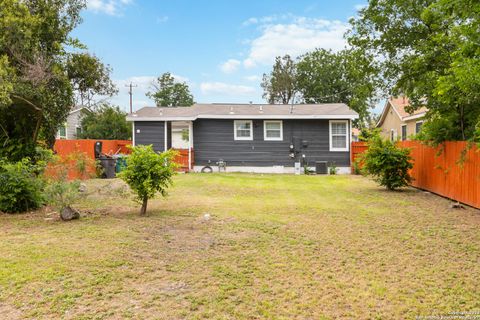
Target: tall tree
{"points": [[430, 51], [170, 93], [37, 91], [280, 85], [90, 78], [106, 122], [324, 76]]}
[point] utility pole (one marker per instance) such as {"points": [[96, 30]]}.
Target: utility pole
{"points": [[130, 92]]}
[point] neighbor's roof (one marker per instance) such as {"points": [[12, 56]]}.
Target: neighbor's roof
{"points": [[398, 104], [245, 111]]}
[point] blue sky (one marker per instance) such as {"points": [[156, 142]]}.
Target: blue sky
{"points": [[220, 48]]}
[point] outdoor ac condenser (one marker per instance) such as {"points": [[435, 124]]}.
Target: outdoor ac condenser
{"points": [[321, 167]]}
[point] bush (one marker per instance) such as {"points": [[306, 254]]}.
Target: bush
{"points": [[20, 187], [387, 163], [148, 172], [62, 194]]}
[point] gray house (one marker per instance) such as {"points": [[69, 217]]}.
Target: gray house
{"points": [[73, 126], [251, 137]]}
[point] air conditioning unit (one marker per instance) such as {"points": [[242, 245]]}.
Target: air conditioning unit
{"points": [[321, 167]]}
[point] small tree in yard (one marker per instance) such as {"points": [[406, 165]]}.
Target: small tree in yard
{"points": [[148, 172], [387, 163]]}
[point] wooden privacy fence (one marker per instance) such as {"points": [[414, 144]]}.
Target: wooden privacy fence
{"points": [[65, 147], [71, 152], [441, 171], [182, 160]]}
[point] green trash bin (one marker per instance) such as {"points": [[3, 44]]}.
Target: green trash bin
{"points": [[121, 163]]}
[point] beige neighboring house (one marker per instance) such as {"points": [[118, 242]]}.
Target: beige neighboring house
{"points": [[396, 123], [73, 126]]}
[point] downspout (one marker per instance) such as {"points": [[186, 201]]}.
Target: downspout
{"points": [[190, 142], [166, 134], [133, 133]]}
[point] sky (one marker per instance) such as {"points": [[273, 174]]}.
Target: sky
{"points": [[220, 48]]}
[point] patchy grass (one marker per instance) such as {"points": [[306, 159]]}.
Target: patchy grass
{"points": [[276, 247]]}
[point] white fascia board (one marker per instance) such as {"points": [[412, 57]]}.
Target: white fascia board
{"points": [[415, 116], [245, 117], [130, 118], [279, 117]]}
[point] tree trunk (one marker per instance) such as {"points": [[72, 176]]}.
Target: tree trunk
{"points": [[143, 210]]}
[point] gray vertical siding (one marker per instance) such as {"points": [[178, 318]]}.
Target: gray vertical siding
{"points": [[151, 132], [214, 139]]}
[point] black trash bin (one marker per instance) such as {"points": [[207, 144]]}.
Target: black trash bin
{"points": [[108, 165]]}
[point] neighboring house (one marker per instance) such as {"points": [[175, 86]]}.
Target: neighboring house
{"points": [[73, 126], [355, 134], [251, 138], [396, 123]]}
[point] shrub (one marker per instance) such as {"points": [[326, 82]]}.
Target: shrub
{"points": [[61, 194], [148, 172], [332, 168], [387, 163], [20, 187]]}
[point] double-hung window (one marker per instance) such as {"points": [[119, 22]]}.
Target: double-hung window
{"points": [[404, 132], [418, 127], [243, 129], [272, 130], [62, 132], [339, 135]]}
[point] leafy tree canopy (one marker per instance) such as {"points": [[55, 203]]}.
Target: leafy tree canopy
{"points": [[89, 77], [346, 77], [106, 122], [170, 93], [428, 50], [37, 90], [280, 85]]}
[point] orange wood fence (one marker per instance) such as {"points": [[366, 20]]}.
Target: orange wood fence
{"points": [[182, 159], [110, 147], [442, 172], [64, 148]]}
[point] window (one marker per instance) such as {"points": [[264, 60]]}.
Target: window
{"points": [[339, 135], [78, 131], [418, 127], [273, 130], [62, 132], [404, 132], [243, 130], [393, 135]]}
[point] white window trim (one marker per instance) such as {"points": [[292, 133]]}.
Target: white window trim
{"points": [[347, 134], [421, 121], [395, 135], [66, 133], [265, 130], [235, 130], [406, 133]]}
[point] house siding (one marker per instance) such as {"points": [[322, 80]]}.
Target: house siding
{"points": [[393, 122], [151, 132], [214, 139]]}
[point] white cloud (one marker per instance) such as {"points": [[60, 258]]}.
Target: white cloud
{"points": [[230, 66], [294, 38], [162, 19], [225, 89], [110, 7], [253, 78], [250, 21]]}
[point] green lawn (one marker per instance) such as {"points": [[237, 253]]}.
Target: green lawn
{"points": [[275, 247]]}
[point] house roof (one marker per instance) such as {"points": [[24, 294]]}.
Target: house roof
{"points": [[398, 104], [245, 111]]}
